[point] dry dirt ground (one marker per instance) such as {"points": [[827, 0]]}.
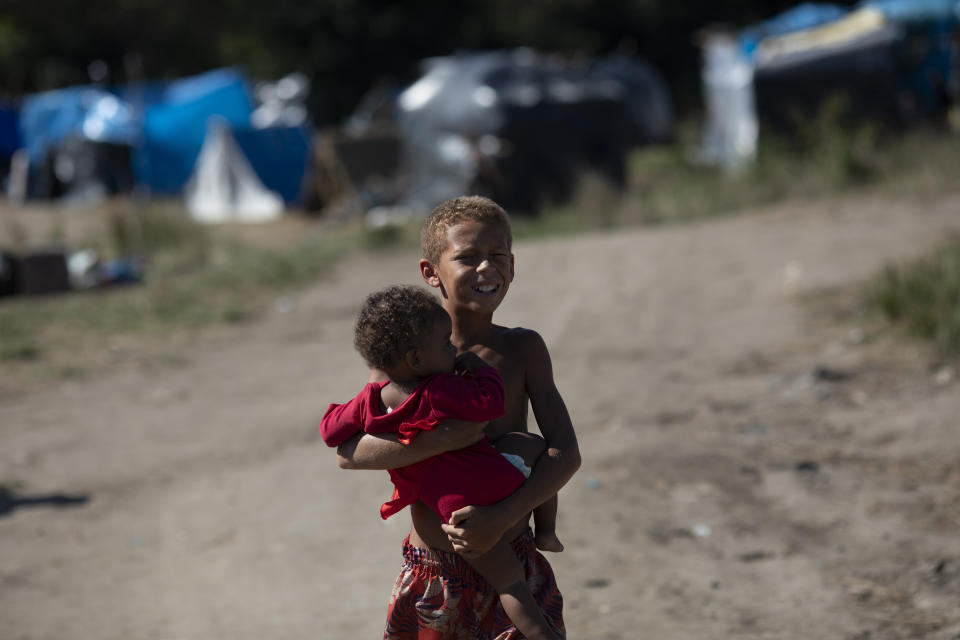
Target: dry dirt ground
{"points": [[755, 465]]}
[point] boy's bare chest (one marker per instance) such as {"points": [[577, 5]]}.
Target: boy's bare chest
{"points": [[514, 383]]}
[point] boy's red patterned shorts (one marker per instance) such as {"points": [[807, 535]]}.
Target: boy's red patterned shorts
{"points": [[438, 596]]}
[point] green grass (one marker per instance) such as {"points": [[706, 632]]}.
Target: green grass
{"points": [[825, 157], [195, 277], [200, 276], [923, 297]]}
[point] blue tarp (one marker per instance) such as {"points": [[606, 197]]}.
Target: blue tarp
{"points": [[175, 124], [279, 155], [804, 16], [943, 15], [908, 11], [937, 23], [928, 74], [9, 132], [165, 123], [92, 113]]}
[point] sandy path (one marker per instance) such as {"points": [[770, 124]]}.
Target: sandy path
{"points": [[824, 508]]}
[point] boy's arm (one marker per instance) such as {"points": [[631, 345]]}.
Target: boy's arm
{"points": [[474, 530], [385, 451]]}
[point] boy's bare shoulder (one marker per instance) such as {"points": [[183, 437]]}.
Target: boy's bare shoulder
{"points": [[514, 333], [520, 340]]}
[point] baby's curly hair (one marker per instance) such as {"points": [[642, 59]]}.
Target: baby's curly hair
{"points": [[392, 321], [433, 235]]}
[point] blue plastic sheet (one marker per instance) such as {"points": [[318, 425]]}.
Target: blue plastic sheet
{"points": [[9, 131], [165, 124], [804, 16], [91, 113], [927, 74], [279, 155], [175, 124], [911, 11]]}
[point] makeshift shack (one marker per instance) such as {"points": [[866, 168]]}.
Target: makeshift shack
{"points": [[891, 61], [516, 125]]}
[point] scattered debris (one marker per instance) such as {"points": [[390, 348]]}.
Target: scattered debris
{"points": [[807, 466], [674, 417], [944, 376], [34, 272], [859, 397], [664, 535], [87, 270], [791, 277], [945, 575], [594, 483], [750, 471], [754, 429], [283, 304], [596, 583], [826, 374]]}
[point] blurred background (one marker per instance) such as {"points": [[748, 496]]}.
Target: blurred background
{"points": [[343, 108], [167, 124], [239, 111]]}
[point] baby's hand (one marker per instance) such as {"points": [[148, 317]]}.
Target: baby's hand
{"points": [[468, 362]]}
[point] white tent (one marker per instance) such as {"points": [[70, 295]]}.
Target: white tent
{"points": [[224, 187]]}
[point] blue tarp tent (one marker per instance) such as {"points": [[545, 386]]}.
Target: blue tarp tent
{"points": [[891, 60], [279, 156], [90, 113], [164, 124], [175, 123], [896, 57], [9, 131]]}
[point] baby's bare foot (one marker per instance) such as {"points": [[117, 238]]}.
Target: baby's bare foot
{"points": [[548, 541]]}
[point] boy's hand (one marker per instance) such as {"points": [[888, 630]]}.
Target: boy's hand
{"points": [[468, 362], [474, 530], [450, 435], [383, 451]]}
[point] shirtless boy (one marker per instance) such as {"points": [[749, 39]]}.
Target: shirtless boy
{"points": [[467, 256]]}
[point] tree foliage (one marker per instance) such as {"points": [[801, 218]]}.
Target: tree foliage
{"points": [[344, 46]]}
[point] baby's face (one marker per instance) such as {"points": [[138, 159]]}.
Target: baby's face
{"points": [[435, 352]]}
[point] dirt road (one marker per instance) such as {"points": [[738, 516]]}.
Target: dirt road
{"points": [[753, 466]]}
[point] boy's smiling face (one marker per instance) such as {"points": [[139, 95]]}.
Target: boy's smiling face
{"points": [[476, 267]]}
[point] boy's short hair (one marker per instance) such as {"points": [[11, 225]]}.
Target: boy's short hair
{"points": [[392, 321], [433, 235]]}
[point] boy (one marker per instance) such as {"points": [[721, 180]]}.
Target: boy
{"points": [[404, 332], [467, 255]]}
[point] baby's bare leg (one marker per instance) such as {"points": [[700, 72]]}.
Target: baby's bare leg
{"points": [[529, 446], [501, 568], [545, 521]]}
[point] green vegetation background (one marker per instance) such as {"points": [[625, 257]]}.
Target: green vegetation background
{"points": [[347, 46], [344, 46], [200, 276]]}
